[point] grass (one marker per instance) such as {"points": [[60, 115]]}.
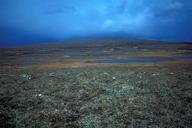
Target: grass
{"points": [[96, 98]]}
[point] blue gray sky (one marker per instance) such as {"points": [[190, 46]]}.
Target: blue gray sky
{"points": [[38, 21]]}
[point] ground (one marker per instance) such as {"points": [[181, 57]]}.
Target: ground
{"points": [[62, 86]]}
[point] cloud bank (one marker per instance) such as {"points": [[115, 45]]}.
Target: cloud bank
{"points": [[48, 20]]}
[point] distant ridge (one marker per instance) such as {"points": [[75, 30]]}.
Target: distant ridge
{"points": [[98, 41]]}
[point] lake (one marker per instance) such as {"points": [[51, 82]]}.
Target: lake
{"points": [[144, 60]]}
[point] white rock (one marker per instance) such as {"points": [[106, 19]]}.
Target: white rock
{"points": [[26, 76], [40, 95], [105, 73], [124, 87]]}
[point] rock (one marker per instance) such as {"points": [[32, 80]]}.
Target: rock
{"points": [[26, 76], [105, 73]]}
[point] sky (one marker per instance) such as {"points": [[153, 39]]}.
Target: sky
{"points": [[39, 21]]}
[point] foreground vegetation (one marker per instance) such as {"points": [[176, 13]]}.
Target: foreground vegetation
{"points": [[96, 98]]}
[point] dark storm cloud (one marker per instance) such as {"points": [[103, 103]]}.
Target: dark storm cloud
{"points": [[62, 19]]}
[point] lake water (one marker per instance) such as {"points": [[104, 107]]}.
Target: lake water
{"points": [[144, 60]]}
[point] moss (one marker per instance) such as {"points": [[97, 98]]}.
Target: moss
{"points": [[91, 121], [96, 98]]}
